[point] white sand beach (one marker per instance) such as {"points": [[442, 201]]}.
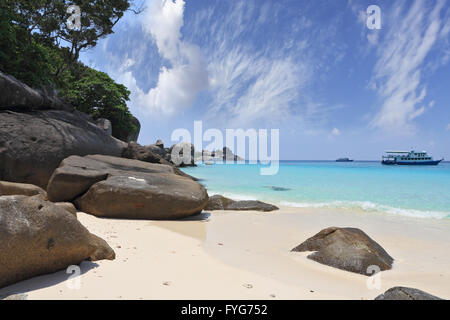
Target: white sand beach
{"points": [[246, 255]]}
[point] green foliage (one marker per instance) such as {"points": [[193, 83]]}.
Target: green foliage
{"points": [[37, 48], [97, 94]]}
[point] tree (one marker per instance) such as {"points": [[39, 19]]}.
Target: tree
{"points": [[38, 48], [48, 19], [97, 94]]}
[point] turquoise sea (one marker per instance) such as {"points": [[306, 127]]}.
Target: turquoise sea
{"points": [[416, 191]]}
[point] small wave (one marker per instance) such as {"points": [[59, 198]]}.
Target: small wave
{"points": [[370, 206]]}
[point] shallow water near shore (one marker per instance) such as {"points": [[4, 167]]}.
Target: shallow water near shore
{"points": [[415, 191]]}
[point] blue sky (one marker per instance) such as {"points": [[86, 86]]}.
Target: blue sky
{"points": [[309, 68]]}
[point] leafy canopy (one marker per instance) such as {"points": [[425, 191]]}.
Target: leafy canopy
{"points": [[38, 48]]}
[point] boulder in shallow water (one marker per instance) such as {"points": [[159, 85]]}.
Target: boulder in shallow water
{"points": [[347, 249], [12, 188], [218, 202], [39, 237], [404, 293]]}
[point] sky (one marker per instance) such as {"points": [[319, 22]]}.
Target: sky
{"points": [[310, 68]]}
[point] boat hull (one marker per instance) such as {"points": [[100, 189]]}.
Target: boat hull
{"points": [[412, 163]]}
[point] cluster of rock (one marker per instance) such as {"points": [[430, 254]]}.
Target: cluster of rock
{"points": [[156, 153], [53, 158], [122, 188], [226, 154], [42, 224]]}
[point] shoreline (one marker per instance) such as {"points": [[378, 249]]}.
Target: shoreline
{"points": [[246, 255]]}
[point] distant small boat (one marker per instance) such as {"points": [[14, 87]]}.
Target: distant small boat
{"points": [[344, 160], [409, 158]]}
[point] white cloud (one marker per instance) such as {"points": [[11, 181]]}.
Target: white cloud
{"points": [[265, 82], [178, 84], [335, 132], [246, 78], [373, 37], [250, 87], [448, 127], [411, 35]]}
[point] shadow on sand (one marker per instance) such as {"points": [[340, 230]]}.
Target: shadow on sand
{"points": [[44, 281]]}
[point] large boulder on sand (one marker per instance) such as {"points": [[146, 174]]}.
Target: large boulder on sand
{"points": [[76, 174], [123, 188], [218, 202], [148, 196], [32, 144], [24, 189], [38, 237], [347, 249], [404, 293]]}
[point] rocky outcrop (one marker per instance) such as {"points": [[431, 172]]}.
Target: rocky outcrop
{"points": [[347, 249], [32, 144], [181, 154], [225, 155], [133, 136], [122, 188], [15, 95], [105, 125], [137, 152], [404, 293], [159, 150], [11, 188], [38, 237], [159, 143], [218, 202]]}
